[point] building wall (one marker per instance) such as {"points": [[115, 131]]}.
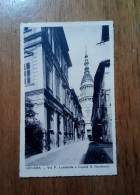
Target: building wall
{"points": [[35, 59], [101, 113], [56, 106], [107, 136]]}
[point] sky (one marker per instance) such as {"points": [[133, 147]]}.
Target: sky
{"points": [[80, 39]]}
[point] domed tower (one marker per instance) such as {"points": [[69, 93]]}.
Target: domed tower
{"points": [[85, 99]]}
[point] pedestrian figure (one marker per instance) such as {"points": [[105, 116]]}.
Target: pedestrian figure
{"points": [[82, 133]]}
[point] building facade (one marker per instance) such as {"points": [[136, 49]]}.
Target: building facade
{"points": [[46, 65], [85, 98], [101, 113]]}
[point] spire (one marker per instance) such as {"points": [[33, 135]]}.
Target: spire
{"points": [[87, 76], [86, 62]]}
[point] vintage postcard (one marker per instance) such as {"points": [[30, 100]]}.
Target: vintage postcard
{"points": [[67, 125]]}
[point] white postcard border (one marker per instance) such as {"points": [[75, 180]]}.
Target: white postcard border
{"points": [[65, 170]]}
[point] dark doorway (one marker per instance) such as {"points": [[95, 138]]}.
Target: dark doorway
{"points": [[58, 129]]}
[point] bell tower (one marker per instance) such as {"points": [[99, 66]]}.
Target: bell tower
{"points": [[86, 95]]}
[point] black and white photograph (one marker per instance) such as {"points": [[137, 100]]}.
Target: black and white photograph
{"points": [[67, 125]]}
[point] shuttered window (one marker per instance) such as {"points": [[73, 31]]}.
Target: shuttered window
{"points": [[27, 73]]}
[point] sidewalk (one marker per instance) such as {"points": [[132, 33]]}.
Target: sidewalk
{"points": [[69, 154]]}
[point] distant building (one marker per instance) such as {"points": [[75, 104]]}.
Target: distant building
{"points": [[101, 113], [46, 64], [86, 96], [79, 123]]}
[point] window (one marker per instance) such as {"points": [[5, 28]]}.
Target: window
{"points": [[57, 51], [49, 78], [57, 86], [61, 61], [63, 95], [27, 73], [66, 71]]}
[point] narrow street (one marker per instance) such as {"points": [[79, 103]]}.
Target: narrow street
{"points": [[82, 152]]}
